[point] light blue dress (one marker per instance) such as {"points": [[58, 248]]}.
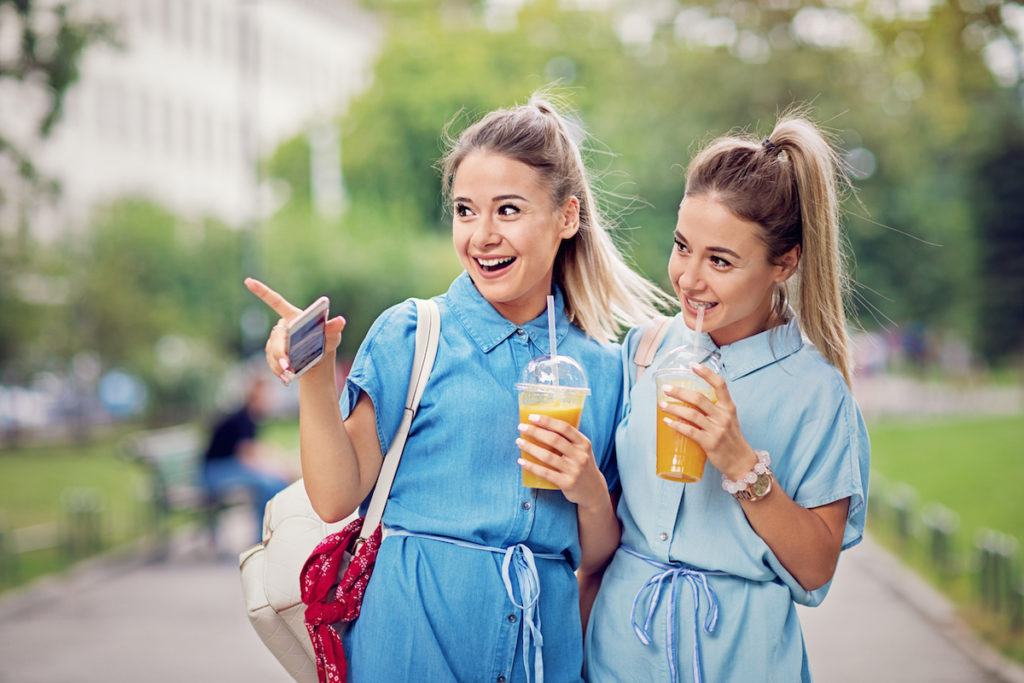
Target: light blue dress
{"points": [[436, 611], [794, 405]]}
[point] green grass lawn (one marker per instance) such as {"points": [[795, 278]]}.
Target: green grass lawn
{"points": [[35, 483], [36, 486], [33, 480], [970, 466]]}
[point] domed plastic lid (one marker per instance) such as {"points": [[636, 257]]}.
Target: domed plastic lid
{"points": [[557, 371], [681, 357]]}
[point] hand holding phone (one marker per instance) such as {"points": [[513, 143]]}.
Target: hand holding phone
{"points": [[306, 337]]}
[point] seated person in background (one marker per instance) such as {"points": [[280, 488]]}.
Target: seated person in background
{"points": [[235, 459]]}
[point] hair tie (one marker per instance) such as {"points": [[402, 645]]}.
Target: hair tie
{"points": [[768, 145]]}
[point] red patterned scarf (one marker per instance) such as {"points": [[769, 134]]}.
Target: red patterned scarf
{"points": [[327, 605]]}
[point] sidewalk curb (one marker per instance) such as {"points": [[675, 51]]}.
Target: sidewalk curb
{"points": [[133, 555], [886, 568], [51, 587]]}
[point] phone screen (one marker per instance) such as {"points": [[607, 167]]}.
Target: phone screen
{"points": [[306, 343]]}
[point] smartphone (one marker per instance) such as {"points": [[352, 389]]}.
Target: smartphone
{"points": [[307, 336]]}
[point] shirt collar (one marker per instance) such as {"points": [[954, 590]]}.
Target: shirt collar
{"points": [[488, 328], [753, 353]]}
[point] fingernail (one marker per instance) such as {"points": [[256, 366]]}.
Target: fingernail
{"points": [[522, 427], [695, 365], [520, 462], [283, 362], [534, 418], [663, 405], [520, 442]]}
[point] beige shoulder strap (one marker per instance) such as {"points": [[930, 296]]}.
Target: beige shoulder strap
{"points": [[428, 329], [654, 332]]}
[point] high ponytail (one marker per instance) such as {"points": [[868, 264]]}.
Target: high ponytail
{"points": [[789, 184], [822, 283]]}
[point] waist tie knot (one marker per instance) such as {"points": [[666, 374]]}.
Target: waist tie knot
{"points": [[669, 574], [519, 562]]}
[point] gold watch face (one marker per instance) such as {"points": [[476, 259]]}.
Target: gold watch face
{"points": [[761, 486]]}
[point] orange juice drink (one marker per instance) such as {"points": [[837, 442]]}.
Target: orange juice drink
{"points": [[565, 404], [679, 458]]}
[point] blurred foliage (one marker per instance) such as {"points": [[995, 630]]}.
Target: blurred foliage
{"points": [[904, 88], [924, 97], [50, 42], [161, 298]]}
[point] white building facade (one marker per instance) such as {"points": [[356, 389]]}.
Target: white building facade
{"points": [[198, 92]]}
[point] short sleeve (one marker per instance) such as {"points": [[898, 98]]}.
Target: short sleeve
{"points": [[834, 440], [381, 369]]}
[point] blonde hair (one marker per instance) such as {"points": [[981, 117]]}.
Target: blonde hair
{"points": [[602, 293], [790, 184]]}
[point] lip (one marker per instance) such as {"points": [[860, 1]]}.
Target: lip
{"points": [[487, 272], [695, 310]]}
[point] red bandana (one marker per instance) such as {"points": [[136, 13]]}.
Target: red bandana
{"points": [[326, 605]]}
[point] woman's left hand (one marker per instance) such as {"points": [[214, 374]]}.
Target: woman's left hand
{"points": [[568, 456], [712, 424]]}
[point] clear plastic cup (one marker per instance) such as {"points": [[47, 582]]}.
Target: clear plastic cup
{"points": [[556, 387], [680, 458]]}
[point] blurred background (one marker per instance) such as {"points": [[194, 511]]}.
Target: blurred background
{"points": [[153, 153]]}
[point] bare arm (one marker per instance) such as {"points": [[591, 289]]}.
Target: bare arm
{"points": [[571, 466], [340, 458], [807, 541]]}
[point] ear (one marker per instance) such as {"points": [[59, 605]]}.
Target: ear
{"points": [[569, 221], [786, 266]]}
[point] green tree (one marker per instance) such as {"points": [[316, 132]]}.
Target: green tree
{"points": [[47, 60], [48, 45], [1000, 216], [161, 298]]}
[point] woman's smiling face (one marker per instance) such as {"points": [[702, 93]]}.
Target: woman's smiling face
{"points": [[506, 232], [719, 264]]}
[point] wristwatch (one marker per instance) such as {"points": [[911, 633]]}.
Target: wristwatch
{"points": [[761, 487], [756, 484]]}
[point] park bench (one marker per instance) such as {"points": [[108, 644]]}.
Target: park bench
{"points": [[173, 458]]}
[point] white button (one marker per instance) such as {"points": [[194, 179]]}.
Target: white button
{"points": [[663, 536]]}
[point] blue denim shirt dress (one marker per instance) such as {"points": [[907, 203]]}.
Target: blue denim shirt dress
{"points": [[437, 611], [794, 405]]}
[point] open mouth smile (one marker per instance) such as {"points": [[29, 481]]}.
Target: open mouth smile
{"points": [[494, 265], [700, 305]]}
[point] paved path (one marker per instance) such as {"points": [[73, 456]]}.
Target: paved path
{"points": [[882, 623], [184, 620]]}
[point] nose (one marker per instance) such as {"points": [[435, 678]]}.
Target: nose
{"points": [[690, 278], [485, 233]]}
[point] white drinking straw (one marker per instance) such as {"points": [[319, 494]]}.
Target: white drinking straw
{"points": [[699, 328], [551, 325]]}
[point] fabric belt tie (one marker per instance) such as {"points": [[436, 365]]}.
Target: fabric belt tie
{"points": [[670, 573], [518, 562]]}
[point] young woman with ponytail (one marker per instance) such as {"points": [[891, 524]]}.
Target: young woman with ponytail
{"points": [[474, 580], [757, 251]]}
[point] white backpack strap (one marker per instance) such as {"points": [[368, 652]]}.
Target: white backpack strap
{"points": [[654, 332], [428, 329]]}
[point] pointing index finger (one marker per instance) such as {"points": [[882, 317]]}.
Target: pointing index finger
{"points": [[278, 303]]}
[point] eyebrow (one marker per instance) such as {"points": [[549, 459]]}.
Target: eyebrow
{"points": [[715, 250], [499, 198]]}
